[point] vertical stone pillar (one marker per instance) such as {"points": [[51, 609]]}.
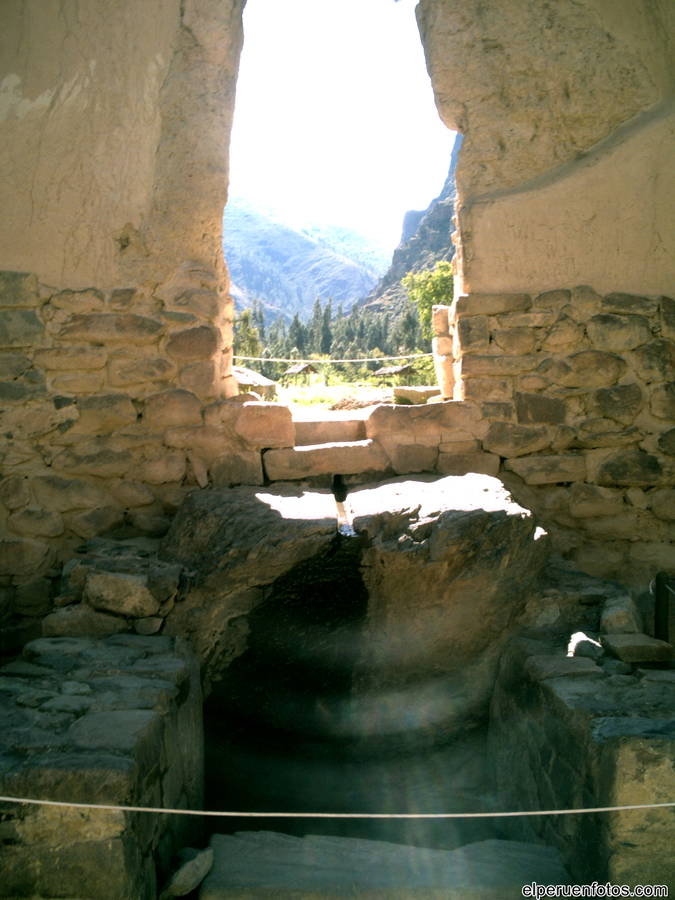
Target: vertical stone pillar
{"points": [[442, 347]]}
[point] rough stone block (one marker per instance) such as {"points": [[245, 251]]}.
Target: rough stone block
{"points": [[637, 648], [407, 458], [71, 358], [488, 389], [501, 410], [618, 333], [662, 503], [541, 667], [104, 414], [131, 494], [161, 466], [19, 289], [208, 442], [535, 408], [78, 301], [80, 619], [120, 593], [174, 407], [223, 413], [629, 467], [344, 458], [606, 433], [662, 401], [97, 521], [516, 341], [655, 361], [125, 370], [240, 467], [587, 368], [630, 303], [36, 522], [508, 439], [553, 299], [584, 303], [93, 461], [620, 615], [666, 442], [467, 446], [33, 598], [78, 382], [668, 318], [14, 492], [263, 424], [490, 304], [108, 328], [589, 500], [13, 365], [201, 378], [472, 334], [566, 334], [22, 556], [622, 402], [20, 328], [207, 304], [466, 463], [122, 298], [540, 318], [201, 342], [63, 494], [548, 469], [498, 365]]}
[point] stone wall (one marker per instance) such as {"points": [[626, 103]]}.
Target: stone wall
{"points": [[116, 121], [567, 113], [113, 405], [579, 393], [115, 321], [568, 733], [114, 721]]}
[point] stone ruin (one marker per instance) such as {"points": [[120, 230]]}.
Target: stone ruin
{"points": [[133, 473]]}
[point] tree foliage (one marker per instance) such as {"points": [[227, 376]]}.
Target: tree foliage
{"points": [[428, 288]]}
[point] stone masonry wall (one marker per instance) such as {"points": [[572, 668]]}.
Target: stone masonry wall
{"points": [[113, 404], [567, 110], [579, 393], [116, 720]]}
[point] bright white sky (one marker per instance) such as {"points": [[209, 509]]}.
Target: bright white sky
{"points": [[335, 121]]}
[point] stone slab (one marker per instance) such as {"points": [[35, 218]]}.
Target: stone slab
{"points": [[343, 458], [638, 648], [268, 864]]}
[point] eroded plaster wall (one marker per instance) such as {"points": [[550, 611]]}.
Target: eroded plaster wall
{"points": [[567, 110], [116, 120], [115, 318]]}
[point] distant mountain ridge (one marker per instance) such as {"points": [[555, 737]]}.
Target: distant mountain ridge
{"points": [[426, 240], [287, 269]]}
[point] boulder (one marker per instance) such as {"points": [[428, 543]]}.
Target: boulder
{"points": [[447, 566], [120, 593]]}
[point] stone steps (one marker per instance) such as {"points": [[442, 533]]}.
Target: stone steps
{"points": [[329, 431], [269, 864], [330, 458]]}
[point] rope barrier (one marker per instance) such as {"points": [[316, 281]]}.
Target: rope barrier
{"points": [[329, 361], [324, 815]]}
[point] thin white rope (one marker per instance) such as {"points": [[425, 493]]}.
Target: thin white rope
{"points": [[326, 362], [324, 815]]}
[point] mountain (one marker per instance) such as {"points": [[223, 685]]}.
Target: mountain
{"points": [[287, 269], [424, 242]]}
